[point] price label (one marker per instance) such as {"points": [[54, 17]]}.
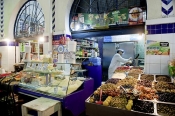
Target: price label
{"points": [[45, 66], [39, 67], [28, 65], [34, 65]]}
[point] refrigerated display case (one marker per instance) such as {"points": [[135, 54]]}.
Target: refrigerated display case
{"points": [[56, 82]]}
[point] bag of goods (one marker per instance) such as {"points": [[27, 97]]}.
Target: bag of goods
{"points": [[171, 67]]}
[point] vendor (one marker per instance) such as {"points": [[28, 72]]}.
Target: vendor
{"points": [[116, 62]]}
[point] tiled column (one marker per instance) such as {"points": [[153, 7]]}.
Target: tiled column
{"points": [[162, 30]]}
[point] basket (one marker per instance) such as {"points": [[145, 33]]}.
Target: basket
{"points": [[171, 70]]}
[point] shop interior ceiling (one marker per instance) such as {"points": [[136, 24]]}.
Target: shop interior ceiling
{"points": [[101, 6]]}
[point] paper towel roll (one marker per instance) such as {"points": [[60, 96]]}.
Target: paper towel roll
{"points": [[60, 58], [72, 46]]}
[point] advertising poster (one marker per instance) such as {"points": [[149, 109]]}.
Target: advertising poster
{"points": [[157, 48]]}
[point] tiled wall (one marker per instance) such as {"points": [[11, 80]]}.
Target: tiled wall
{"points": [[164, 32], [161, 28]]}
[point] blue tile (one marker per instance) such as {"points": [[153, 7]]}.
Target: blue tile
{"points": [[153, 27], [170, 30], [174, 25], [153, 31], [158, 31], [164, 26], [174, 30], [170, 25], [148, 26], [149, 31], [158, 26], [164, 30]]}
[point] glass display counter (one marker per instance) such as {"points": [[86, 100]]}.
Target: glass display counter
{"points": [[56, 81]]}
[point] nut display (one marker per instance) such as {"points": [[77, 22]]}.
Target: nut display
{"points": [[133, 75], [136, 71], [107, 101], [145, 83], [147, 77], [147, 93], [122, 69], [165, 87], [113, 81], [143, 106], [166, 109], [127, 82], [163, 78], [119, 102]]}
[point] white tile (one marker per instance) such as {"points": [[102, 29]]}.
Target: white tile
{"points": [[164, 69], [154, 68], [167, 37], [157, 37], [146, 59], [154, 59], [172, 56], [164, 59], [173, 40], [146, 68], [171, 48]]}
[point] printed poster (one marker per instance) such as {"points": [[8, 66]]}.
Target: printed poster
{"points": [[157, 48]]}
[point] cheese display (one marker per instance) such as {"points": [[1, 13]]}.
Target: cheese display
{"points": [[51, 80]]}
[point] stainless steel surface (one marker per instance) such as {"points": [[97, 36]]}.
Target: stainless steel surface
{"points": [[108, 52], [129, 49], [109, 49]]}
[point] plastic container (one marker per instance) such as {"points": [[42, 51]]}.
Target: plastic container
{"points": [[95, 60]]}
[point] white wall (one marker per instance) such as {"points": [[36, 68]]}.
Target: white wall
{"points": [[62, 11], [154, 9]]}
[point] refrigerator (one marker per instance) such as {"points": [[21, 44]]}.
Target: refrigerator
{"points": [[109, 49]]}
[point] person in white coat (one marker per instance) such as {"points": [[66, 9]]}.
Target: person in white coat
{"points": [[116, 62]]}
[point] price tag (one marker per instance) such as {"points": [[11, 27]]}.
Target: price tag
{"points": [[39, 67], [45, 66], [28, 65], [34, 65]]}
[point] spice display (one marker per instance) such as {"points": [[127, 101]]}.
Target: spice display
{"points": [[166, 109], [134, 75], [165, 87], [163, 78], [147, 77], [145, 83], [143, 106], [113, 81], [119, 102], [167, 97]]}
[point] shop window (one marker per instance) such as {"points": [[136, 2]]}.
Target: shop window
{"points": [[30, 20]]}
